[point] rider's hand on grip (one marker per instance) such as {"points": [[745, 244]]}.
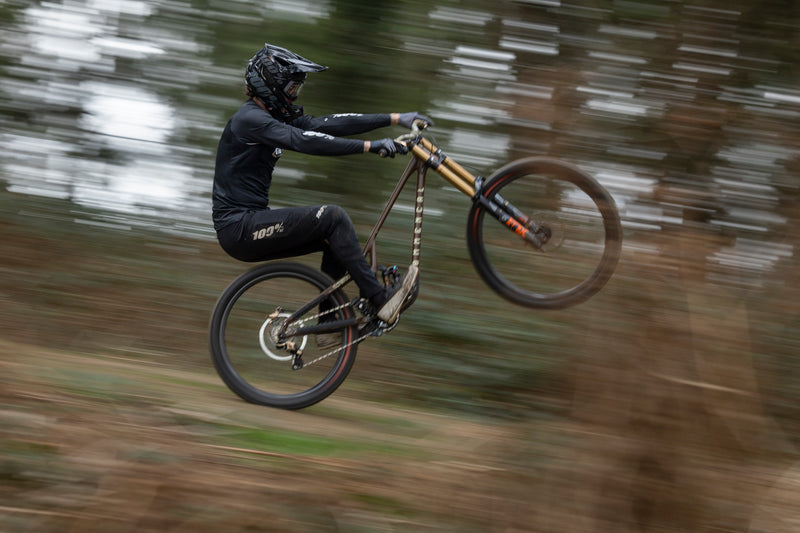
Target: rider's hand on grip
{"points": [[407, 119], [387, 147]]}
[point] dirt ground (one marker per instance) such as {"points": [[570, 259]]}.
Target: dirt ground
{"points": [[101, 444], [107, 444], [112, 418]]}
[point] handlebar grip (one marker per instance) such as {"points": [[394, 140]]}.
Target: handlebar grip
{"points": [[383, 152]]}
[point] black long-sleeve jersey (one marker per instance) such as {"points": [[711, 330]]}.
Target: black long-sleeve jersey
{"points": [[252, 142]]}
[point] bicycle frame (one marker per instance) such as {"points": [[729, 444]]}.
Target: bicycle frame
{"points": [[425, 155], [370, 250]]}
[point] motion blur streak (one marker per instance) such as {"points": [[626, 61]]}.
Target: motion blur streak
{"points": [[666, 403]]}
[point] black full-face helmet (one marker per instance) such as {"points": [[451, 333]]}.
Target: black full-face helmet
{"points": [[276, 76]]}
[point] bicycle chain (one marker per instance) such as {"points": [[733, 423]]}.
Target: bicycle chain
{"points": [[340, 348], [336, 350]]}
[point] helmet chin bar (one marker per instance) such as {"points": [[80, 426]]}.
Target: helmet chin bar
{"points": [[280, 109], [292, 89]]}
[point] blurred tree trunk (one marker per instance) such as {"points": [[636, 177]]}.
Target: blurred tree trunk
{"points": [[677, 438]]}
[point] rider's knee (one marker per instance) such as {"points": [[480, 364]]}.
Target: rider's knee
{"points": [[332, 215]]}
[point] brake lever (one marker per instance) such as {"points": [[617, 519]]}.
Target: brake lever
{"points": [[416, 128]]}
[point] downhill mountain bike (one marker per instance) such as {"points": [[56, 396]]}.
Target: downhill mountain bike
{"points": [[540, 232]]}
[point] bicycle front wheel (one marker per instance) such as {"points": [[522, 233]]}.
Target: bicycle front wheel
{"points": [[243, 339], [576, 219]]}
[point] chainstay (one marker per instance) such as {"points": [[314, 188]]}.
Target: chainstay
{"points": [[340, 348]]}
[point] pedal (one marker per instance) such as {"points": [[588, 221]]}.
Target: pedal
{"points": [[377, 327], [386, 328]]}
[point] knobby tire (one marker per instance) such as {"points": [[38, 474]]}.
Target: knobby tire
{"points": [[569, 197], [234, 339]]}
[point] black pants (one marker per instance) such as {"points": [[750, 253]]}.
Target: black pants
{"points": [[289, 232]]}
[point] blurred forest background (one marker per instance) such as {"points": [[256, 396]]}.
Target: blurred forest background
{"points": [[666, 403]]}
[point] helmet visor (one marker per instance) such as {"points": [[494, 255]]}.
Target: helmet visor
{"points": [[292, 89]]}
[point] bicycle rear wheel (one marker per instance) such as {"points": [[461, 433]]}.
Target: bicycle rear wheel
{"points": [[575, 215], [243, 344]]}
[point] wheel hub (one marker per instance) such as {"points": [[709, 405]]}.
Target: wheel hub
{"points": [[268, 337], [549, 229]]}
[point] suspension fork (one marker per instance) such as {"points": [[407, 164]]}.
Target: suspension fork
{"points": [[532, 233], [429, 155], [507, 214]]}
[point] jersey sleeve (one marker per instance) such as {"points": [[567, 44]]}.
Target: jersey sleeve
{"points": [[344, 123], [260, 128]]}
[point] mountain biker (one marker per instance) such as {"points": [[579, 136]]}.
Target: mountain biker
{"points": [[249, 148]]}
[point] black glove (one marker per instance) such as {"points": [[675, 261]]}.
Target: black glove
{"points": [[406, 119], [387, 147]]}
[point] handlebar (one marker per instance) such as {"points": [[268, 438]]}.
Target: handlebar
{"points": [[416, 127]]}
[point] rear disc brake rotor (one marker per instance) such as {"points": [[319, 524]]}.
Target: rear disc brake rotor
{"points": [[267, 337]]}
